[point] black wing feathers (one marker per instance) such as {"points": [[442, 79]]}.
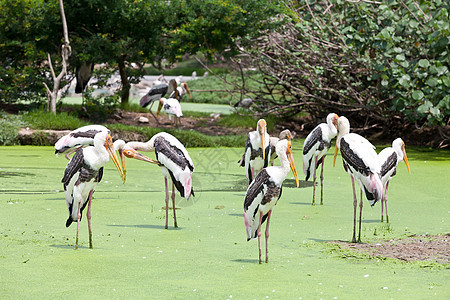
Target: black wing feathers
{"points": [[316, 135], [74, 165], [256, 187], [352, 159], [389, 164]]}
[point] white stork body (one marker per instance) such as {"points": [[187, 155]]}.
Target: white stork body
{"points": [[315, 148], [81, 137], [181, 90], [156, 93], [389, 159], [257, 151], [362, 164], [172, 107], [175, 163], [264, 192], [82, 174]]}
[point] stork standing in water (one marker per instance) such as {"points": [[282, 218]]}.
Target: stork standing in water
{"points": [[157, 92], [315, 148], [172, 107], [264, 192], [180, 91], [285, 134], [78, 138], [389, 159], [362, 164], [257, 151], [174, 161], [82, 174]]}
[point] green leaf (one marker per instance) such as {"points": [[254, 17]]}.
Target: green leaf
{"points": [[424, 63], [417, 95], [405, 80], [400, 57], [384, 82], [432, 82]]}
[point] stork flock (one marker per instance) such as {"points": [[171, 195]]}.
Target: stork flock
{"points": [[93, 147]]}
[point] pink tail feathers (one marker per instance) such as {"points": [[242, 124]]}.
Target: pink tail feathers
{"points": [[376, 186]]}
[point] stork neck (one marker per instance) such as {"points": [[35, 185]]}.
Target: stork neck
{"points": [[139, 146]]}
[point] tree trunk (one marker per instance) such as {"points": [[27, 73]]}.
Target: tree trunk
{"points": [[125, 83]]}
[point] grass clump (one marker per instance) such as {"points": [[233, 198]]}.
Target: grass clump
{"points": [[40, 119], [234, 120], [9, 128]]}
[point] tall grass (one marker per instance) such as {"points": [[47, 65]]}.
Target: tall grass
{"points": [[9, 128], [40, 119]]}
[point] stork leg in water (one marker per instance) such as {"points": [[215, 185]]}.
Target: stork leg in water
{"points": [[259, 235], [385, 204], [78, 224], [321, 181], [88, 216], [267, 236], [173, 202], [314, 182], [360, 215], [167, 202], [355, 203]]}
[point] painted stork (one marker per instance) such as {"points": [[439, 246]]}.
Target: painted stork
{"points": [[157, 92], [264, 192], [180, 91], [389, 159], [174, 161], [315, 148], [362, 164], [172, 107], [285, 134], [83, 136], [83, 172], [83, 76], [257, 151]]}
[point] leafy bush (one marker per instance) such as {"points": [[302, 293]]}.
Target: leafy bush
{"points": [[98, 109], [9, 128]]}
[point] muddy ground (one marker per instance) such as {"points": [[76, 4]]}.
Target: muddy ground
{"points": [[414, 248]]}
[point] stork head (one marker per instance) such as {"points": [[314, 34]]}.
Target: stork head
{"points": [[333, 119], [185, 86], [262, 130], [290, 157], [343, 128], [399, 147], [131, 153], [112, 153]]}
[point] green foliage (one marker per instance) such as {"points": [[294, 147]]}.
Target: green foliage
{"points": [[246, 121], [209, 83], [98, 108], [40, 119], [9, 128]]}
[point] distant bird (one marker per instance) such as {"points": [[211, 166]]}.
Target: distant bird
{"points": [[362, 164], [174, 161], [83, 172], [245, 103], [157, 92], [315, 148], [172, 107], [264, 192], [84, 73], [285, 134], [180, 91], [257, 151], [389, 159], [80, 137]]}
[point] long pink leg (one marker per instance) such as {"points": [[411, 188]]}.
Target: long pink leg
{"points": [[314, 182], [355, 202], [78, 224], [173, 202], [267, 236], [321, 181], [259, 235], [360, 217], [167, 202], [385, 202], [382, 205], [88, 216], [70, 152]]}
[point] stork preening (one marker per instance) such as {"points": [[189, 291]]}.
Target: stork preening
{"points": [[180, 91], [264, 192], [172, 107], [83, 172], [174, 161], [80, 137], [157, 92], [257, 151], [315, 148], [273, 140], [84, 73], [389, 160], [362, 164]]}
